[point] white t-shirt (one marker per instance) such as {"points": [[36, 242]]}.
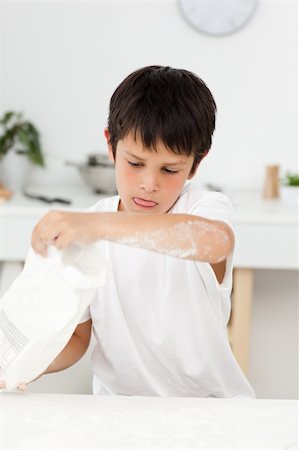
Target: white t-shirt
{"points": [[160, 322]]}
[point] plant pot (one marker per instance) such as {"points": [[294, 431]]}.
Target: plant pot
{"points": [[14, 171], [289, 194]]}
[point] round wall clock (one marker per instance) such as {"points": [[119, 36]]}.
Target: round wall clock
{"points": [[217, 17]]}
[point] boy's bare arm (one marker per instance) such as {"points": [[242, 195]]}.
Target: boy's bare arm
{"points": [[182, 235], [74, 350]]}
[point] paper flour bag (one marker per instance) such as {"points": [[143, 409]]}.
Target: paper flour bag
{"points": [[42, 308]]}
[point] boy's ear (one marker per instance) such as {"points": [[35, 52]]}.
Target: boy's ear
{"points": [[110, 152]]}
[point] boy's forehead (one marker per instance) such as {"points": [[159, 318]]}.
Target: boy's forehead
{"points": [[132, 144]]}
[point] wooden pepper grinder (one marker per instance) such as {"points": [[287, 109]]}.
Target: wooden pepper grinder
{"points": [[271, 185]]}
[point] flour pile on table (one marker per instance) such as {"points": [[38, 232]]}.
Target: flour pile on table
{"points": [[42, 308]]}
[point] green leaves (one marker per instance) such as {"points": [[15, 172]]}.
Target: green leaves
{"points": [[20, 133], [291, 179], [7, 116], [5, 144]]}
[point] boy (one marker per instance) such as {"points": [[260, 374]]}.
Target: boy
{"points": [[160, 319]]}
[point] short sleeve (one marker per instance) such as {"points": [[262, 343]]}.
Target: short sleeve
{"points": [[212, 206], [207, 204]]}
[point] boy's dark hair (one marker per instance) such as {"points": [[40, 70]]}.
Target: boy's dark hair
{"points": [[158, 103]]}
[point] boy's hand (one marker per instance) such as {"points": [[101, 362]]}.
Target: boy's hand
{"points": [[22, 387], [62, 228]]}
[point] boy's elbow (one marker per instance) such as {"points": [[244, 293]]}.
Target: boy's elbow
{"points": [[224, 242], [217, 244]]}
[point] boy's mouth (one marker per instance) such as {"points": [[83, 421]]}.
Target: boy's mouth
{"points": [[144, 203]]}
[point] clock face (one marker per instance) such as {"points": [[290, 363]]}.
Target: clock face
{"points": [[217, 17]]}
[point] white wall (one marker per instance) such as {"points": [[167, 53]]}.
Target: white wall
{"points": [[1, 60], [62, 61]]}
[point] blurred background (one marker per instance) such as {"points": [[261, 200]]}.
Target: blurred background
{"points": [[61, 61]]}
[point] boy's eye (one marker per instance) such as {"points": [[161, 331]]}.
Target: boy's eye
{"points": [[170, 171], [133, 164], [165, 169]]}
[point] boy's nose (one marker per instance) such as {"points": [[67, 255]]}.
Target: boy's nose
{"points": [[150, 184]]}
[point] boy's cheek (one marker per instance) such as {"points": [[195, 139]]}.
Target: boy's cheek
{"points": [[125, 175], [175, 183]]}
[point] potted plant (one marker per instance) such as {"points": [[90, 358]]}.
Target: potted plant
{"points": [[290, 188], [19, 147]]}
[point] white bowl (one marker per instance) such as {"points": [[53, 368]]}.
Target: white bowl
{"points": [[100, 178]]}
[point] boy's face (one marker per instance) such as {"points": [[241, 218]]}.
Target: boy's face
{"points": [[148, 181]]}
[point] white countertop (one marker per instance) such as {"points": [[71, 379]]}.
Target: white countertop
{"points": [[249, 206], [46, 422], [19, 205]]}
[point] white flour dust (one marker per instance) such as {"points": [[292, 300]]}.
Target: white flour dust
{"points": [[187, 240]]}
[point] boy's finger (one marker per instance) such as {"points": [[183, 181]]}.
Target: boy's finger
{"points": [[22, 387], [39, 247]]}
